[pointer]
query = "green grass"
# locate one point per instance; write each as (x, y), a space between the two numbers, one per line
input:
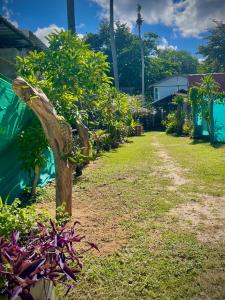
(204, 164)
(159, 260)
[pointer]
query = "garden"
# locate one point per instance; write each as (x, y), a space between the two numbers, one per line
(98, 208)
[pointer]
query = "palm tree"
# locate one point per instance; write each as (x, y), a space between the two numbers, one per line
(113, 47)
(139, 24)
(71, 16)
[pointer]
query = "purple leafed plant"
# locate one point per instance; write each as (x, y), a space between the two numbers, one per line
(48, 255)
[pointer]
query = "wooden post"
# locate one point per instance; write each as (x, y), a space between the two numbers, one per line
(59, 135)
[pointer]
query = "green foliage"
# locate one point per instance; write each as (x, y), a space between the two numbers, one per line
(13, 217)
(202, 98)
(170, 123)
(75, 80)
(175, 120)
(213, 51)
(31, 144)
(70, 74)
(158, 63)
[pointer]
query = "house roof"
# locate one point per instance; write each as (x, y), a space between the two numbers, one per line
(167, 78)
(169, 98)
(12, 37)
(196, 79)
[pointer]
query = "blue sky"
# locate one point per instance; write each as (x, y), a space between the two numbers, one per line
(181, 24)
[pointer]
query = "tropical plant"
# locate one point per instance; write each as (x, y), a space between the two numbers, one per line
(31, 144)
(50, 255)
(175, 120)
(202, 99)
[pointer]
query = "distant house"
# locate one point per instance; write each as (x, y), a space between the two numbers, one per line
(165, 90)
(15, 42)
(169, 86)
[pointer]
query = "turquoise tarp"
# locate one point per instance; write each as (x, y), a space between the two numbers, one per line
(14, 117)
(201, 126)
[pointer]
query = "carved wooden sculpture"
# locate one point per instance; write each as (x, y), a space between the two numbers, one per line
(59, 135)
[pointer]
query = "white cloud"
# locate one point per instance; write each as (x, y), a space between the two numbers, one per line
(8, 13)
(80, 26)
(80, 35)
(190, 17)
(164, 44)
(42, 33)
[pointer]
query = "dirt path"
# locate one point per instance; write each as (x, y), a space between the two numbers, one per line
(205, 216)
(168, 167)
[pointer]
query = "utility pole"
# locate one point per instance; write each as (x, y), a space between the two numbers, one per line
(139, 24)
(71, 16)
(113, 46)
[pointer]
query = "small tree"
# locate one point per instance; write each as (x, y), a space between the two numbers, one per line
(202, 100)
(209, 91)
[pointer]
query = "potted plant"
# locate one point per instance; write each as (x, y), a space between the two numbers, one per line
(46, 258)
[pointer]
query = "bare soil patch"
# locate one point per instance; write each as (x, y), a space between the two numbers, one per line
(205, 218)
(169, 169)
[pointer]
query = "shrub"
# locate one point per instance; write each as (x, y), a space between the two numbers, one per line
(14, 217)
(175, 120)
(170, 123)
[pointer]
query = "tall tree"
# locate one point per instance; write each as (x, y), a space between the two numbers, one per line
(214, 50)
(139, 24)
(71, 16)
(113, 46)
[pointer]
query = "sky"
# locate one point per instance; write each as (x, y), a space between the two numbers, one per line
(181, 24)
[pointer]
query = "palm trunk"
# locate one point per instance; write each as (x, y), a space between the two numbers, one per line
(71, 16)
(113, 47)
(142, 65)
(59, 135)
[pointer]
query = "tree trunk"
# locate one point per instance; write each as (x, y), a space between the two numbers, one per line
(113, 47)
(71, 16)
(84, 139)
(35, 182)
(59, 135)
(142, 64)
(142, 71)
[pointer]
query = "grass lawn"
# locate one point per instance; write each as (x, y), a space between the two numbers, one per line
(159, 237)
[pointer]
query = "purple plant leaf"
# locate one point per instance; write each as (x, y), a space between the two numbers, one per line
(93, 246)
(32, 267)
(16, 293)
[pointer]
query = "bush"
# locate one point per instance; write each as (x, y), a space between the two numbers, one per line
(188, 127)
(170, 123)
(14, 217)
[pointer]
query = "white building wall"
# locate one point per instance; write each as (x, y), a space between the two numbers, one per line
(170, 86)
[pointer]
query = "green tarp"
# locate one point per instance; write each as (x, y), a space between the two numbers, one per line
(201, 127)
(14, 117)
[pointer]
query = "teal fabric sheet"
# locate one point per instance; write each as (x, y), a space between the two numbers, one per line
(14, 117)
